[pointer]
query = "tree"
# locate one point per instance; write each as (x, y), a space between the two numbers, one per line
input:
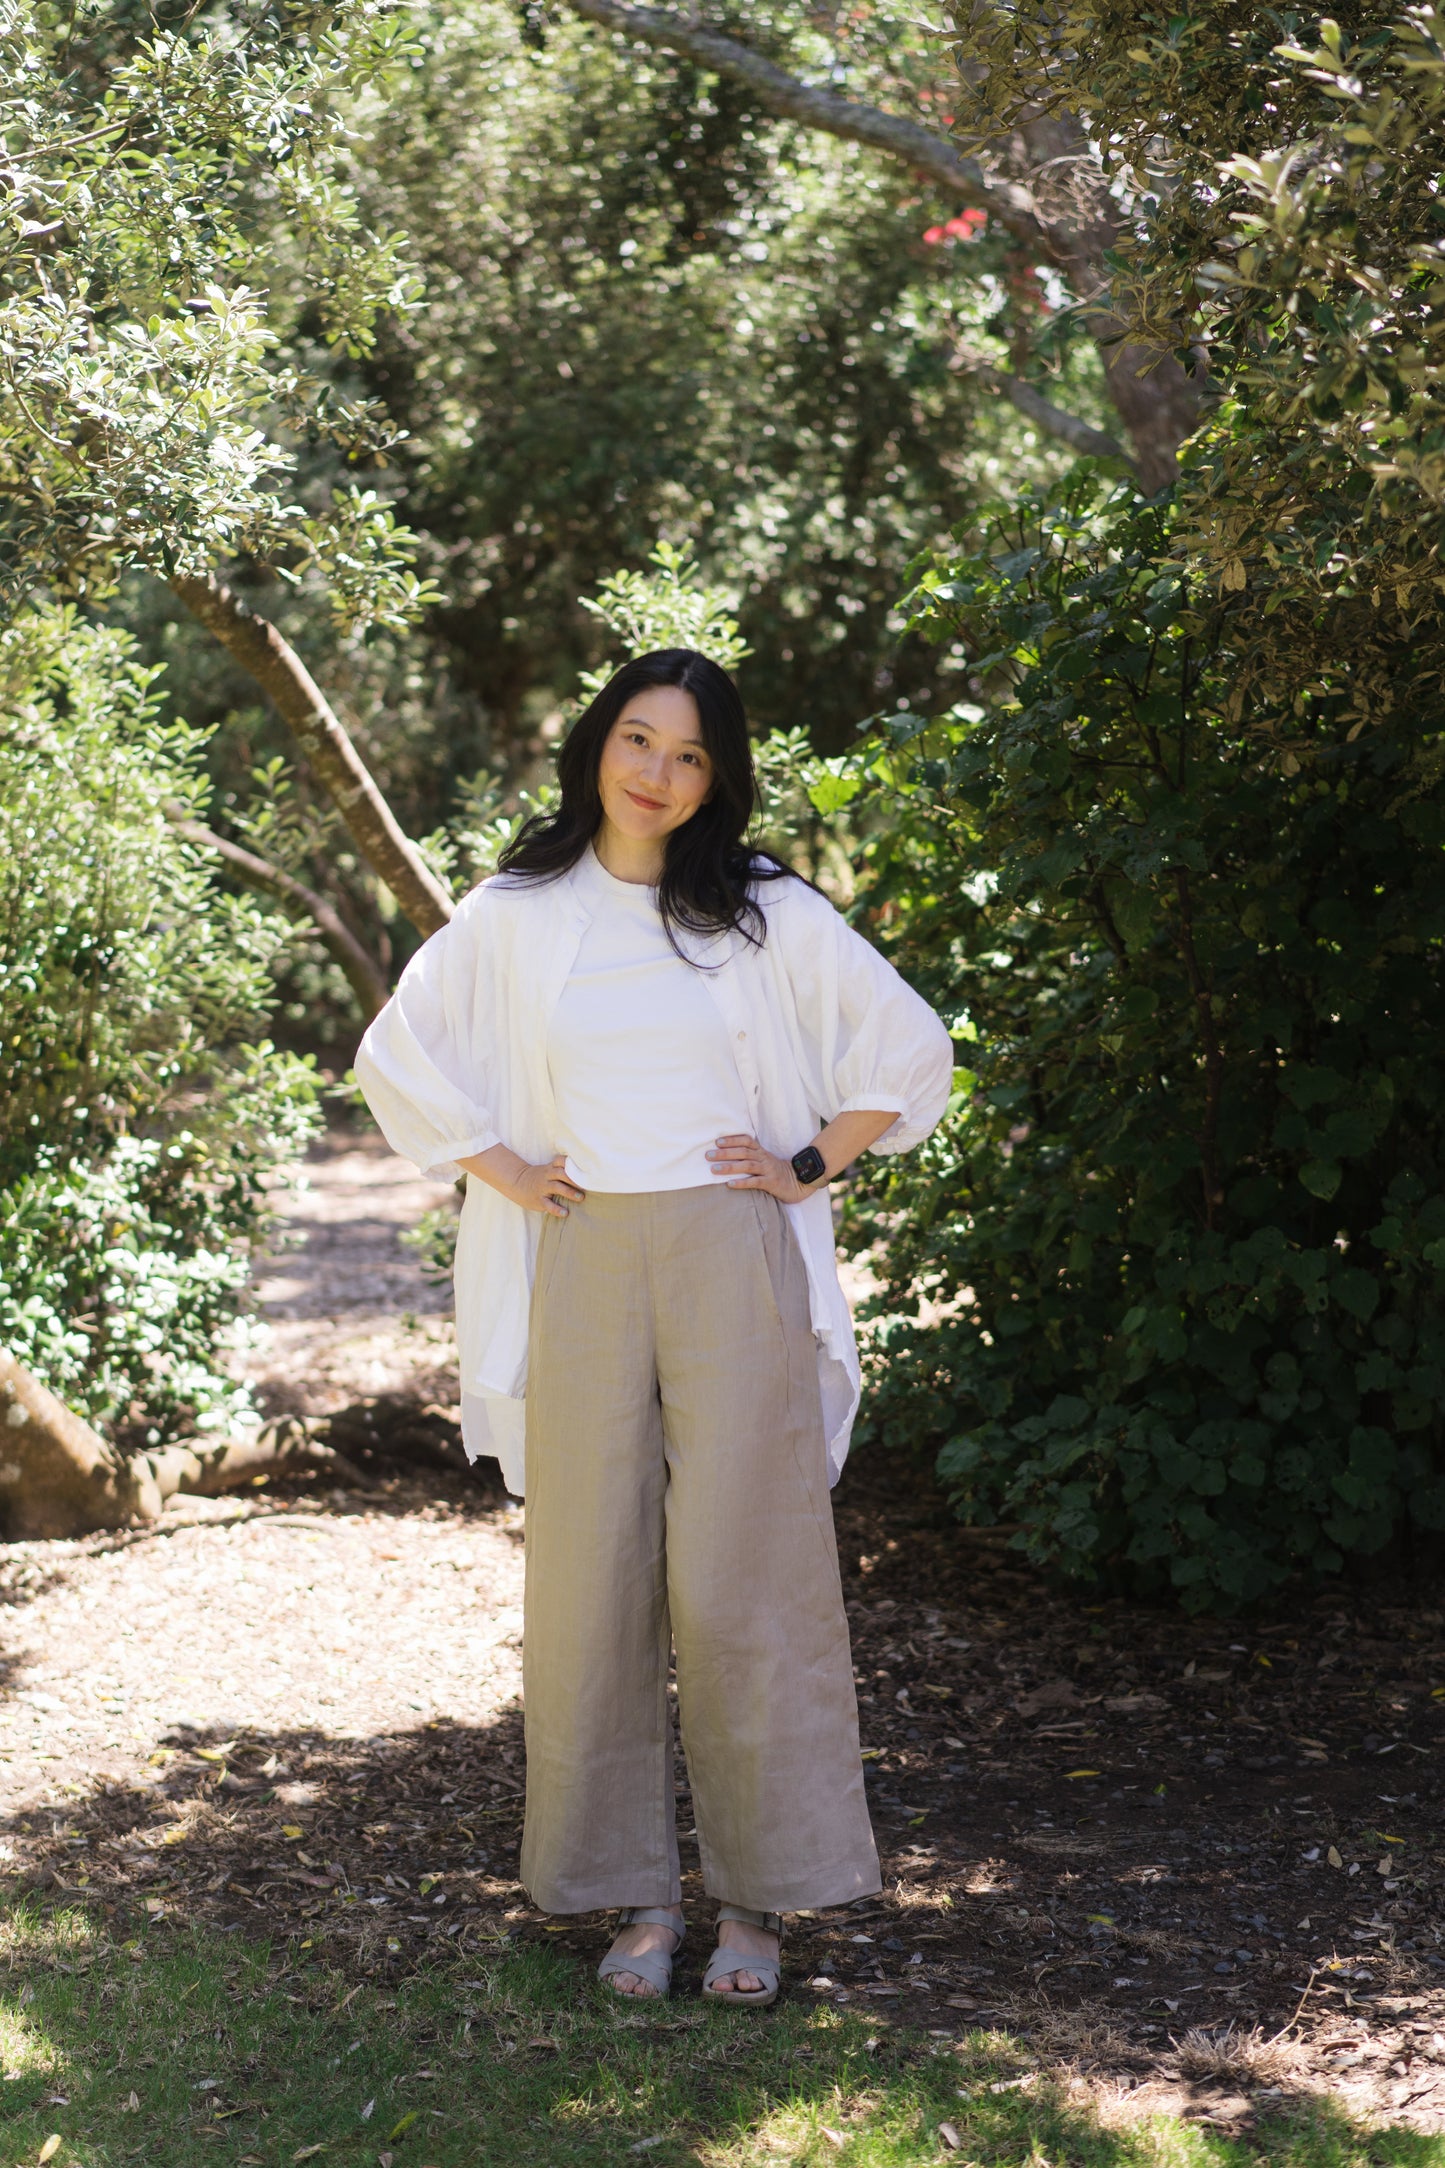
(1176, 868)
(143, 418)
(1036, 172)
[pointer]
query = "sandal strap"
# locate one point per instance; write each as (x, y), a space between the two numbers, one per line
(770, 1922)
(652, 1916)
(654, 1966)
(724, 1964)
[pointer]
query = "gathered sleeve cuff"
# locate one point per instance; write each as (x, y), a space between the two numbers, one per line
(416, 1065)
(874, 1043)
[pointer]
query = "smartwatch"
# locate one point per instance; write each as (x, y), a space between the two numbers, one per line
(809, 1165)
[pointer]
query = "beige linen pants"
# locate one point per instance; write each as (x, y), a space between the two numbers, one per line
(677, 1490)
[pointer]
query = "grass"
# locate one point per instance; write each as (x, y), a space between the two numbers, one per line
(185, 2047)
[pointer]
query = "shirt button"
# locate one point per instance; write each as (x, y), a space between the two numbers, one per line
(742, 1034)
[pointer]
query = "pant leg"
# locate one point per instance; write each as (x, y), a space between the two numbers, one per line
(600, 1823)
(765, 1671)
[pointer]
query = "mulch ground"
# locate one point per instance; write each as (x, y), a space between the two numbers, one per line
(1200, 1861)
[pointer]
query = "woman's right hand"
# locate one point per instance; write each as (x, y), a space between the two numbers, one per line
(536, 1189)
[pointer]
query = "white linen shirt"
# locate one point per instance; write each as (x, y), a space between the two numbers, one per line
(820, 1025)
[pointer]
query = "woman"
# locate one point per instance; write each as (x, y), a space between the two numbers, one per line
(650, 1048)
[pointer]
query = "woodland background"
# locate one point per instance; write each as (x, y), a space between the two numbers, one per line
(1043, 410)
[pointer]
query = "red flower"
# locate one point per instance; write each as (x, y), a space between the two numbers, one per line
(961, 228)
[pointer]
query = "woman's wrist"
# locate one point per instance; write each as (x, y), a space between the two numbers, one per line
(547, 1188)
(498, 1166)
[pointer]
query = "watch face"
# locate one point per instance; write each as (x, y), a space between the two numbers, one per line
(809, 1164)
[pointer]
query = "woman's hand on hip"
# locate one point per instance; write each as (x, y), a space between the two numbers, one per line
(536, 1189)
(744, 1164)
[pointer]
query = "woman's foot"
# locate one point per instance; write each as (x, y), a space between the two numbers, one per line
(748, 1942)
(638, 1941)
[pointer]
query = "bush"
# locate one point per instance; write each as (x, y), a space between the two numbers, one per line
(1185, 1223)
(141, 1111)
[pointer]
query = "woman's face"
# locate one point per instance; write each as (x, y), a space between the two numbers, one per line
(654, 772)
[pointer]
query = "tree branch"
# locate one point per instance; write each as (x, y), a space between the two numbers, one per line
(1080, 436)
(364, 974)
(792, 99)
(1158, 403)
(261, 650)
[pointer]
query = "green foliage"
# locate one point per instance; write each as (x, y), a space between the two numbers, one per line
(174, 205)
(1283, 175)
(666, 608)
(1176, 869)
(140, 1109)
(1182, 1237)
(653, 309)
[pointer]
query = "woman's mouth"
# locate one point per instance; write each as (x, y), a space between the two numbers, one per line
(648, 805)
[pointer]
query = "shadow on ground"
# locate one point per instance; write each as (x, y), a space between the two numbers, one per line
(1143, 1852)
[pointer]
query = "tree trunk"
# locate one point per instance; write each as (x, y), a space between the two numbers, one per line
(260, 649)
(59, 1478)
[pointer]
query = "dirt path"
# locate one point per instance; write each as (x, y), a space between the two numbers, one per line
(1151, 1846)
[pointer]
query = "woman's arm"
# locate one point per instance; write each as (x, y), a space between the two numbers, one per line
(536, 1189)
(744, 1164)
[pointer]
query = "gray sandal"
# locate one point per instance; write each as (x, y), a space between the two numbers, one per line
(725, 1963)
(654, 1966)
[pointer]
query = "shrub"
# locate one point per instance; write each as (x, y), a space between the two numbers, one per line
(1183, 1231)
(141, 1109)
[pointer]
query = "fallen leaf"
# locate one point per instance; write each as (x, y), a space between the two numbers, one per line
(834, 2137)
(1057, 1694)
(1081, 1772)
(1132, 1704)
(50, 2148)
(368, 2111)
(949, 2134)
(309, 2152)
(404, 2125)
(132, 2104)
(645, 2145)
(1332, 1855)
(291, 1832)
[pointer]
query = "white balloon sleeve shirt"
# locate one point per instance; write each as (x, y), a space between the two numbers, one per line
(815, 1023)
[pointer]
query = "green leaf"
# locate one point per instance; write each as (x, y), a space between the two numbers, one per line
(1321, 1177)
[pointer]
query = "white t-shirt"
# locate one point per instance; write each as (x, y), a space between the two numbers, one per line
(642, 1071)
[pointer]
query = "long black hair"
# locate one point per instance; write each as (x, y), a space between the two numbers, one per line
(708, 869)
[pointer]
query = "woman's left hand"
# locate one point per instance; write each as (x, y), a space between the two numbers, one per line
(744, 1164)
